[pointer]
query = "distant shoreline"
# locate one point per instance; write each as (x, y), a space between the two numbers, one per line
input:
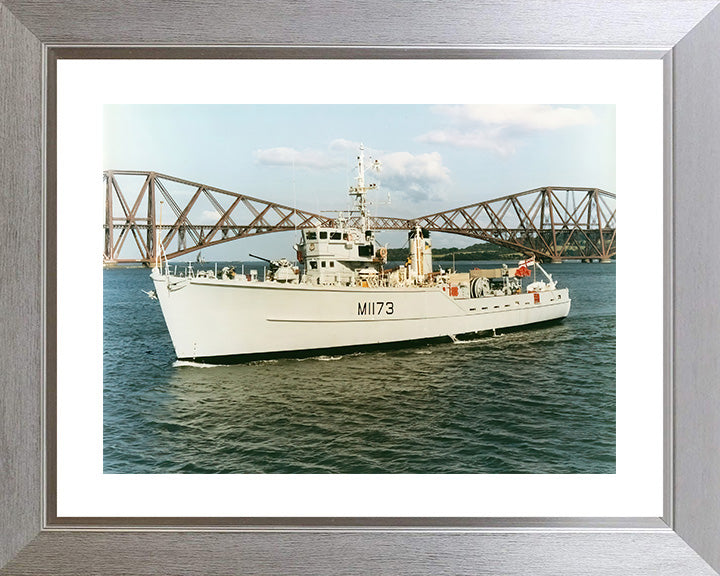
(482, 251)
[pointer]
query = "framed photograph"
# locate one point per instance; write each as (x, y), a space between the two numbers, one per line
(416, 426)
(81, 477)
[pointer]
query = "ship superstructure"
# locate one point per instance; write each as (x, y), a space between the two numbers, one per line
(343, 295)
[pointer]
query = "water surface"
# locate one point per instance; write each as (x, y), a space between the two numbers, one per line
(532, 401)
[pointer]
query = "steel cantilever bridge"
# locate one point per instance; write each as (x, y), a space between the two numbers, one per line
(553, 223)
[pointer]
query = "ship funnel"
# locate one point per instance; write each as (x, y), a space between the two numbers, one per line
(420, 252)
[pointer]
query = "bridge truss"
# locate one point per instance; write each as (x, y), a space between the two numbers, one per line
(554, 223)
(204, 216)
(551, 223)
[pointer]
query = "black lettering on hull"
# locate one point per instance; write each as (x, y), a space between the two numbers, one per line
(375, 308)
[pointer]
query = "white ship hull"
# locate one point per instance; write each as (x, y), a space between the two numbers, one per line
(218, 320)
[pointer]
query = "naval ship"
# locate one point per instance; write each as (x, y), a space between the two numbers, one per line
(342, 296)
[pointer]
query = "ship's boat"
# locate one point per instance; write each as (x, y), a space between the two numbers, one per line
(342, 296)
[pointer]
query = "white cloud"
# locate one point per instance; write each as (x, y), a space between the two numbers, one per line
(313, 159)
(523, 116)
(418, 177)
(503, 128)
(343, 145)
(208, 217)
(478, 138)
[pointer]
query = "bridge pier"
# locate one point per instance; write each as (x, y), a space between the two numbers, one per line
(556, 261)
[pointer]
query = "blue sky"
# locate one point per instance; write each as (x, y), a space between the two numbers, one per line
(433, 157)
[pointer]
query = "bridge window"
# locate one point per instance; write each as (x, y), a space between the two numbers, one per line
(323, 263)
(335, 236)
(313, 264)
(311, 235)
(323, 235)
(365, 250)
(332, 264)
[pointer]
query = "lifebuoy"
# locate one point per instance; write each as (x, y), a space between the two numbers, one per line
(311, 246)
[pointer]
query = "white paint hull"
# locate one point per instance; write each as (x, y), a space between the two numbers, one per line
(215, 319)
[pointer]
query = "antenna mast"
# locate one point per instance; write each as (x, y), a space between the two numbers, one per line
(360, 191)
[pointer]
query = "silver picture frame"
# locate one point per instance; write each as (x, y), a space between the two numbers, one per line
(685, 34)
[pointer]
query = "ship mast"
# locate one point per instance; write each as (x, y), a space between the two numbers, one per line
(360, 191)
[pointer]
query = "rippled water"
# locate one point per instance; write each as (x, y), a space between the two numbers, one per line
(532, 401)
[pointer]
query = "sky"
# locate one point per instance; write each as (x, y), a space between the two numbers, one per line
(432, 157)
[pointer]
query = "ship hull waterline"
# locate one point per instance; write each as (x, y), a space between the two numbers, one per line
(225, 321)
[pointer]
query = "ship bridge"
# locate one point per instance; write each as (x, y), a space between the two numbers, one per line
(553, 223)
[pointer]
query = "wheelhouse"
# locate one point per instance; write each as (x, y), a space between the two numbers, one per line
(332, 255)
